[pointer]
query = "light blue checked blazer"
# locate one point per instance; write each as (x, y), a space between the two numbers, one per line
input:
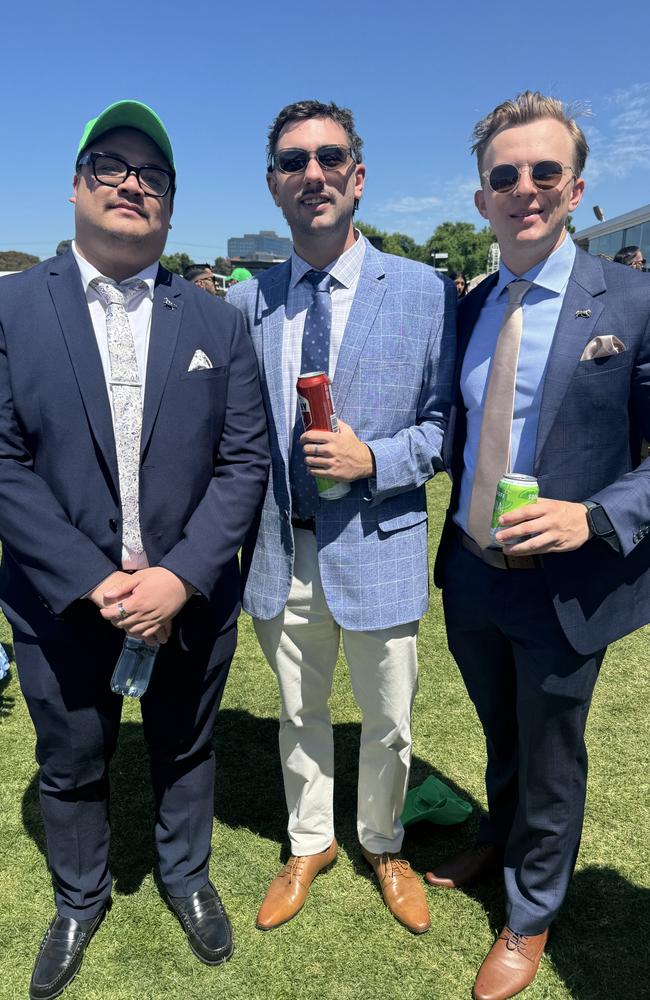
(392, 385)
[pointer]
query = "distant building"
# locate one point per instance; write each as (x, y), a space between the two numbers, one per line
(494, 257)
(263, 246)
(630, 229)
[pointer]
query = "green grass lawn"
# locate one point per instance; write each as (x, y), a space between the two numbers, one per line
(344, 945)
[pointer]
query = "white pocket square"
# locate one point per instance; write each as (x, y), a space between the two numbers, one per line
(602, 347)
(200, 362)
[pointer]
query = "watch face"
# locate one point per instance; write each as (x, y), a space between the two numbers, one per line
(599, 523)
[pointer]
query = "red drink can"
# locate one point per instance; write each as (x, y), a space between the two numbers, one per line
(318, 414)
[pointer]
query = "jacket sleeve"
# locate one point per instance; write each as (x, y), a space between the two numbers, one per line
(413, 455)
(59, 561)
(627, 500)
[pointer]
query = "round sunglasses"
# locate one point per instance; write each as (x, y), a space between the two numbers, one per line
(545, 175)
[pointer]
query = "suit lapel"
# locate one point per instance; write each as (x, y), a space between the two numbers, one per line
(165, 325)
(572, 334)
(367, 300)
(271, 305)
(71, 307)
(468, 313)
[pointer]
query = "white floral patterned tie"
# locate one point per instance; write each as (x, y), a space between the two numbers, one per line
(126, 393)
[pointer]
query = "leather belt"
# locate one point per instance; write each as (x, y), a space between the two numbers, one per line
(496, 558)
(306, 524)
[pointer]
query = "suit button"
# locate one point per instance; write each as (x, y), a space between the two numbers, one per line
(113, 524)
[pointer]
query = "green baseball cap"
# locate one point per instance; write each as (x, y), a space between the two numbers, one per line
(240, 274)
(129, 114)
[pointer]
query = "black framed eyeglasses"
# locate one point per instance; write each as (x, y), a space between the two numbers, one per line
(113, 170)
(545, 175)
(292, 161)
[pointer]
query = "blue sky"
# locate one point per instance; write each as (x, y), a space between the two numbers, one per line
(416, 75)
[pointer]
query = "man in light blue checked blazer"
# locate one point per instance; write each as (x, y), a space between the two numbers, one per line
(356, 567)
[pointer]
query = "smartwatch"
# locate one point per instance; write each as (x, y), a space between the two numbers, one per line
(598, 521)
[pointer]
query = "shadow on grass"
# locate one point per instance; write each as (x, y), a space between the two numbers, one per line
(248, 793)
(602, 917)
(599, 942)
(256, 801)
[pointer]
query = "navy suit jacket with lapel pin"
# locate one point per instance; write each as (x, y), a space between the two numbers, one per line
(204, 448)
(594, 416)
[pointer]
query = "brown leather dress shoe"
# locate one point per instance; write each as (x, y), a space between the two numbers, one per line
(287, 892)
(402, 890)
(467, 867)
(510, 966)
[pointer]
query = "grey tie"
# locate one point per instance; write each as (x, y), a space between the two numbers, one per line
(493, 459)
(126, 393)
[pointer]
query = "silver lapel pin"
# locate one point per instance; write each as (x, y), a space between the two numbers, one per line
(169, 304)
(583, 313)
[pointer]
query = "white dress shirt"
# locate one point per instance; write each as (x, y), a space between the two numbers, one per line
(345, 271)
(139, 310)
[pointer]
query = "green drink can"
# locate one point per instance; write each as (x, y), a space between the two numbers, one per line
(513, 491)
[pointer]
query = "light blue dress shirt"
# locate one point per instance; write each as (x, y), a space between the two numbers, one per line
(541, 310)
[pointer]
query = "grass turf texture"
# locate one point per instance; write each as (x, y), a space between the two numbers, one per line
(345, 944)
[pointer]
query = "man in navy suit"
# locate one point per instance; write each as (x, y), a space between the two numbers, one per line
(529, 617)
(182, 467)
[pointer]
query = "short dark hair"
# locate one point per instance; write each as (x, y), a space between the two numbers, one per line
(303, 111)
(529, 107)
(194, 270)
(626, 255)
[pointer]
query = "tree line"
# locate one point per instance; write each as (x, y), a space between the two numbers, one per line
(466, 246)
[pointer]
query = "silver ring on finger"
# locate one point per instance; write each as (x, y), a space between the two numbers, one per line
(122, 610)
(315, 451)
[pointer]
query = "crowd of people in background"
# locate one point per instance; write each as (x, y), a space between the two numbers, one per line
(203, 276)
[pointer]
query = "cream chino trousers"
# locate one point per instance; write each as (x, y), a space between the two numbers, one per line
(301, 645)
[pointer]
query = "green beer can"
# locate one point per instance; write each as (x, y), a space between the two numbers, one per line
(513, 491)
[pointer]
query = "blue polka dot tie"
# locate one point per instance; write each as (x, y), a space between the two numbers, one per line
(315, 357)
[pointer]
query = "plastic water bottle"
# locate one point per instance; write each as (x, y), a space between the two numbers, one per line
(134, 668)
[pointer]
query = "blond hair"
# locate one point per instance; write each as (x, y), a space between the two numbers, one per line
(529, 107)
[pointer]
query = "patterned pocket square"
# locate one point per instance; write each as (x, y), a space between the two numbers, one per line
(602, 347)
(200, 362)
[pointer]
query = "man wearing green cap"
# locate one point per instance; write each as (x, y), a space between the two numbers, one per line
(133, 457)
(239, 274)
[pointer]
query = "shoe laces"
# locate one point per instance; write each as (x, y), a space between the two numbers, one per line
(394, 864)
(515, 942)
(294, 868)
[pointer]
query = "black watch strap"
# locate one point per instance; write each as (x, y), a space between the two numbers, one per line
(598, 521)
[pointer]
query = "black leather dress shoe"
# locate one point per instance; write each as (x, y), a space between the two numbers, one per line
(60, 955)
(206, 924)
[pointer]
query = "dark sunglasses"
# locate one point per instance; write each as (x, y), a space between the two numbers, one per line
(113, 171)
(292, 161)
(545, 175)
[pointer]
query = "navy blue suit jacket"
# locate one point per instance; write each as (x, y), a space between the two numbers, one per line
(594, 415)
(204, 449)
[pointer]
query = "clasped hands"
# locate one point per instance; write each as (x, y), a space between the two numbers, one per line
(337, 455)
(557, 526)
(143, 603)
